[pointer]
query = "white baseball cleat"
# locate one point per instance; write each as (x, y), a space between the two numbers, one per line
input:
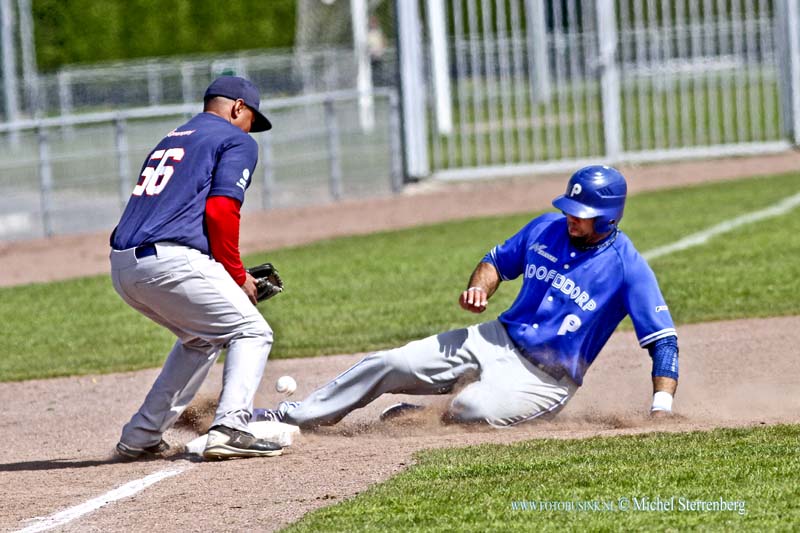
(224, 443)
(278, 432)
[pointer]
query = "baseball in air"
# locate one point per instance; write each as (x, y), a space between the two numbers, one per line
(286, 385)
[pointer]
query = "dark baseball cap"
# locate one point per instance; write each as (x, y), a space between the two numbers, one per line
(234, 87)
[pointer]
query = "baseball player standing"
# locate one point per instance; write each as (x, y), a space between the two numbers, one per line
(175, 259)
(581, 277)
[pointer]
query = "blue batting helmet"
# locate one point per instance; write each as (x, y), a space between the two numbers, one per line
(595, 192)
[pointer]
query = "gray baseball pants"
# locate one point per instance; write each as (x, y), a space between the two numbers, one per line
(193, 296)
(507, 389)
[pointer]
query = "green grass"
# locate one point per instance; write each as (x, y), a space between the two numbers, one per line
(368, 292)
(474, 489)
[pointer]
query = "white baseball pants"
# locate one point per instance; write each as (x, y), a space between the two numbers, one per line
(507, 389)
(193, 296)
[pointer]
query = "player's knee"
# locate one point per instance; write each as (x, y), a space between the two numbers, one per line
(200, 345)
(465, 409)
(259, 329)
(265, 331)
(470, 409)
(392, 360)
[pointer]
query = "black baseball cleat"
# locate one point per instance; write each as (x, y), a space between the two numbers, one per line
(224, 443)
(399, 409)
(130, 453)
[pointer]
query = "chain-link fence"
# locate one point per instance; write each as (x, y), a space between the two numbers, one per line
(75, 173)
(171, 81)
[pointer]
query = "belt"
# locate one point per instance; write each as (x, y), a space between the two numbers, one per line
(145, 250)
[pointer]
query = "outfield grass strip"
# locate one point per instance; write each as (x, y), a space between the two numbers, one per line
(742, 479)
(702, 237)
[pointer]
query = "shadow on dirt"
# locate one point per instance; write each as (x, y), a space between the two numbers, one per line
(66, 463)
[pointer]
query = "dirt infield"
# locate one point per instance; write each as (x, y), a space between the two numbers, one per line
(62, 431)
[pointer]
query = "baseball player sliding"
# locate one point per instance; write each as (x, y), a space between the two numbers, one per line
(175, 259)
(581, 277)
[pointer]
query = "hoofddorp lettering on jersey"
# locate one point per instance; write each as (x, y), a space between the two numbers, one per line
(559, 281)
(207, 156)
(572, 299)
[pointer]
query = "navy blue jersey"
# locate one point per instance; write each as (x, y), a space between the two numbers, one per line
(207, 156)
(571, 300)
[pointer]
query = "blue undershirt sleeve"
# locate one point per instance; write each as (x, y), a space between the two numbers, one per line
(664, 352)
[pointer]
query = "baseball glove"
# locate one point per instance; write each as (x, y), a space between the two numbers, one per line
(268, 282)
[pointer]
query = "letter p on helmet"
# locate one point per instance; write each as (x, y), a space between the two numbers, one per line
(576, 189)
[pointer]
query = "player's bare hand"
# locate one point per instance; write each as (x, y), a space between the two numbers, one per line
(249, 288)
(473, 300)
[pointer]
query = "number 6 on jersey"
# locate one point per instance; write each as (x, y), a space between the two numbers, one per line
(154, 179)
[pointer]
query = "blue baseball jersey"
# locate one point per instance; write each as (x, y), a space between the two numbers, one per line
(207, 156)
(571, 299)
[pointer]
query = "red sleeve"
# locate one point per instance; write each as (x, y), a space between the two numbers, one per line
(222, 222)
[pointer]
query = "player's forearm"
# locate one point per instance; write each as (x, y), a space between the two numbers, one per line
(485, 277)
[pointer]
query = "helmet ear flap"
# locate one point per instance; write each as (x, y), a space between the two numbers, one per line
(603, 225)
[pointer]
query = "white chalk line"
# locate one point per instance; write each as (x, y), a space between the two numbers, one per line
(701, 237)
(128, 489)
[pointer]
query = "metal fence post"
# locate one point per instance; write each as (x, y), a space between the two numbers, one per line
(123, 163)
(334, 150)
(609, 78)
(787, 22)
(395, 144)
(366, 103)
(793, 23)
(64, 94)
(268, 183)
(45, 181)
(65, 97)
(187, 83)
(539, 68)
(153, 84)
(29, 74)
(440, 64)
(412, 86)
(9, 67)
